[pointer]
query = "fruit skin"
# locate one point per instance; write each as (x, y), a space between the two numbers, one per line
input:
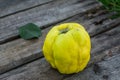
(69, 51)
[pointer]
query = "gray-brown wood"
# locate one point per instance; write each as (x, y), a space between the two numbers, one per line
(44, 15)
(19, 52)
(101, 46)
(37, 70)
(8, 7)
(113, 71)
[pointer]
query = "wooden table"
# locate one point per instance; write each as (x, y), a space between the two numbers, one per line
(23, 59)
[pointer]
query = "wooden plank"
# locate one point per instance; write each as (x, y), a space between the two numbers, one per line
(9, 7)
(99, 42)
(35, 70)
(108, 69)
(44, 15)
(19, 52)
(113, 71)
(44, 72)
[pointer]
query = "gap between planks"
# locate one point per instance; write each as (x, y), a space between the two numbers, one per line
(8, 8)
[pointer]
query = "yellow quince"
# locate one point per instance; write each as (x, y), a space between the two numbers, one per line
(67, 48)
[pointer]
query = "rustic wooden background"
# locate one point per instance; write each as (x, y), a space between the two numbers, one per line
(23, 59)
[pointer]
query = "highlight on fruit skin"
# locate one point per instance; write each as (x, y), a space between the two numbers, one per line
(67, 48)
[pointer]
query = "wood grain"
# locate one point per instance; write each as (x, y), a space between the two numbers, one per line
(37, 70)
(43, 16)
(9, 7)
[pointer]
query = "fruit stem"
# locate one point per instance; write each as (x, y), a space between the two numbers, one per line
(64, 31)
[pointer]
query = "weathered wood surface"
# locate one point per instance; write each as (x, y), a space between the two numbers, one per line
(102, 45)
(8, 7)
(25, 51)
(37, 70)
(43, 16)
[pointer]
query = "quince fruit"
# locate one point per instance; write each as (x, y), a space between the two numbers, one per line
(67, 48)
